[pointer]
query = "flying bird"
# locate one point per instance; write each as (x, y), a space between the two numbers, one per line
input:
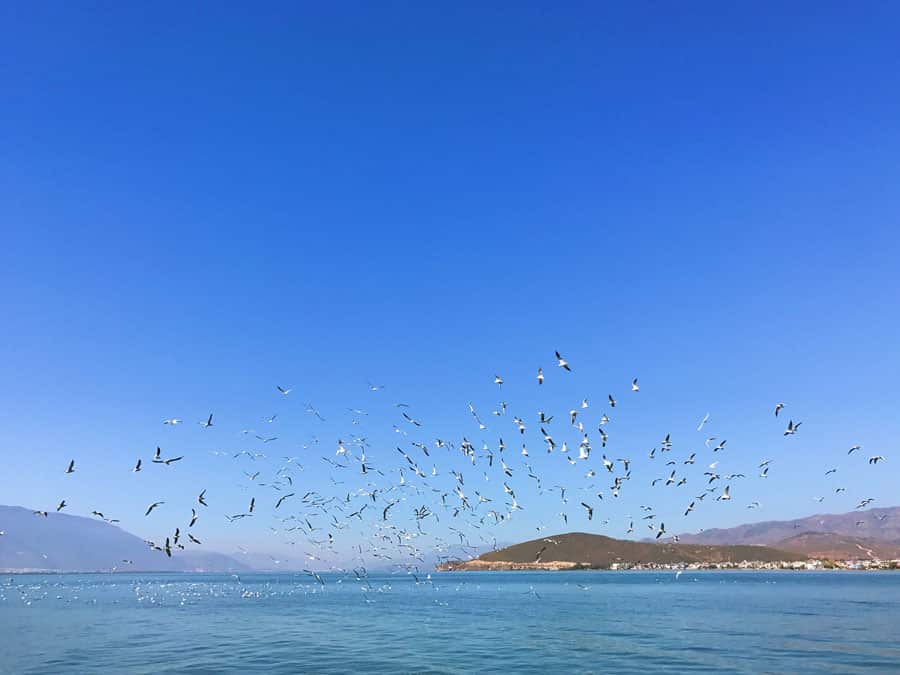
(703, 422)
(281, 499)
(153, 506)
(71, 467)
(590, 510)
(562, 363)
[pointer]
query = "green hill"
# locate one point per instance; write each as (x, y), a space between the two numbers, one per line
(597, 551)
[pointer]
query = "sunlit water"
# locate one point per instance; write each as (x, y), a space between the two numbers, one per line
(502, 622)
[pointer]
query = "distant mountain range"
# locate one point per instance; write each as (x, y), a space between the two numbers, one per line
(828, 545)
(62, 542)
(595, 550)
(855, 535)
(840, 534)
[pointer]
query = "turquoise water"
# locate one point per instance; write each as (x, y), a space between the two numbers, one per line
(500, 622)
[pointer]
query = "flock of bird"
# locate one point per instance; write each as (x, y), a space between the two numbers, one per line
(430, 498)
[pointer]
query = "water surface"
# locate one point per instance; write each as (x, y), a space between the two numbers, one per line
(487, 622)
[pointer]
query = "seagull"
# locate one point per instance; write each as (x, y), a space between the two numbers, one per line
(71, 467)
(612, 401)
(278, 503)
(498, 381)
(172, 459)
(855, 447)
(562, 363)
(61, 505)
(703, 422)
(725, 496)
(157, 458)
(208, 423)
(172, 422)
(193, 538)
(778, 408)
(137, 467)
(375, 387)
(830, 471)
(284, 391)
(153, 506)
(411, 420)
(634, 385)
(540, 376)
(193, 517)
(876, 459)
(590, 510)
(200, 499)
(661, 531)
(792, 428)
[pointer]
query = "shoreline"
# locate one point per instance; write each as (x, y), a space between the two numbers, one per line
(810, 565)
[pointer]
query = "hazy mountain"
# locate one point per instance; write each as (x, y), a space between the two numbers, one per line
(62, 542)
(880, 524)
(596, 550)
(839, 546)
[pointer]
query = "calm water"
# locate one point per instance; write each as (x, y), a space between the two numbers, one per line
(502, 622)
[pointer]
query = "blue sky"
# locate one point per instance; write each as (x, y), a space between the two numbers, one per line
(199, 205)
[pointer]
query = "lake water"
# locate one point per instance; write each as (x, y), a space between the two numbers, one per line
(500, 622)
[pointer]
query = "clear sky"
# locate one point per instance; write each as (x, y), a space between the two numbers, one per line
(200, 204)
